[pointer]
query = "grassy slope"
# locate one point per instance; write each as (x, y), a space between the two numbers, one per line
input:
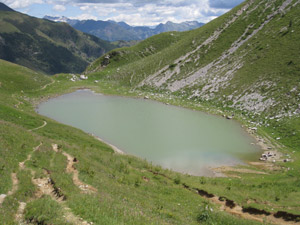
(47, 46)
(145, 49)
(123, 196)
(269, 59)
(270, 68)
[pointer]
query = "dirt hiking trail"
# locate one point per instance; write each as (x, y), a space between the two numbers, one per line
(71, 169)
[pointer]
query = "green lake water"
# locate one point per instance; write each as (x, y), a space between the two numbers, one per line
(176, 138)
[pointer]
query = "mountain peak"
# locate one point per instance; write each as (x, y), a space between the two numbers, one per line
(57, 19)
(169, 22)
(61, 19)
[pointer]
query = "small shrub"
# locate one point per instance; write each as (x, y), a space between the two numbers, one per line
(204, 215)
(87, 170)
(177, 180)
(202, 180)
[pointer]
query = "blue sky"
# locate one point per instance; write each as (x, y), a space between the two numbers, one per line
(133, 12)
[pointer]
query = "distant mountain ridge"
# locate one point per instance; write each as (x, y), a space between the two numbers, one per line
(46, 46)
(61, 19)
(115, 31)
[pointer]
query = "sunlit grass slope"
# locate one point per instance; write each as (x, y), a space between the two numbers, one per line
(128, 190)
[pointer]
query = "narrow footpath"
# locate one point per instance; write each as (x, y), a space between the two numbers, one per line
(14, 188)
(37, 128)
(71, 169)
(46, 186)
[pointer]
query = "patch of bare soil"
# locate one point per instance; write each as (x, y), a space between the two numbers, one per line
(20, 213)
(71, 218)
(2, 198)
(46, 186)
(71, 169)
(250, 213)
(266, 166)
(233, 209)
(22, 205)
(15, 182)
(55, 147)
(14, 188)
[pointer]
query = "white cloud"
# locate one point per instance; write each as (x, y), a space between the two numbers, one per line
(17, 4)
(153, 13)
(136, 12)
(59, 8)
(137, 19)
(84, 17)
(85, 8)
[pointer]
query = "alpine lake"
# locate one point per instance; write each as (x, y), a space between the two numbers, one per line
(176, 138)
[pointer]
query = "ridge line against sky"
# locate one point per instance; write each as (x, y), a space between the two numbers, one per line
(133, 12)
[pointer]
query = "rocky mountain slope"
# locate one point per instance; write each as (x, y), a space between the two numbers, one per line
(115, 31)
(246, 60)
(46, 46)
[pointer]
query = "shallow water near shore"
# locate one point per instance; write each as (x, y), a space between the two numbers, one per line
(176, 138)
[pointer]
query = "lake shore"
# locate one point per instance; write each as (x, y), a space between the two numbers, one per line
(116, 149)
